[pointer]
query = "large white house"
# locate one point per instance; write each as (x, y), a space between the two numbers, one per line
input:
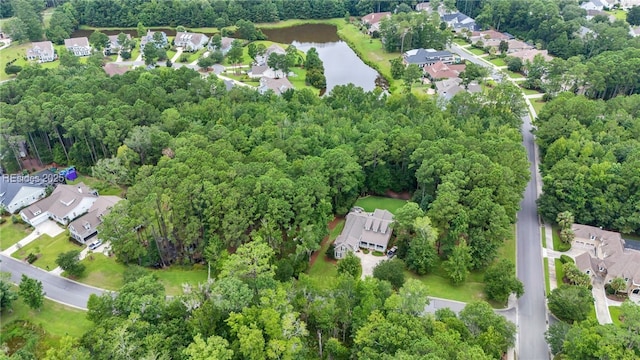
(42, 51)
(78, 46)
(86, 226)
(66, 203)
(191, 41)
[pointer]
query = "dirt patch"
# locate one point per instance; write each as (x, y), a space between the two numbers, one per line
(405, 195)
(619, 298)
(332, 225)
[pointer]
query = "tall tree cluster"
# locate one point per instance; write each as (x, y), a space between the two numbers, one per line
(26, 23)
(405, 31)
(590, 156)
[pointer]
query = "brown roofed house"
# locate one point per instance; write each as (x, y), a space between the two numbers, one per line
(373, 20)
(85, 227)
(441, 70)
(114, 69)
(65, 203)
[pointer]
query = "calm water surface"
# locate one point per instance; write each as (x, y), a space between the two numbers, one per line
(341, 64)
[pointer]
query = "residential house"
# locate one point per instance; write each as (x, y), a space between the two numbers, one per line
(583, 31)
(114, 46)
(225, 45)
(458, 21)
(594, 5)
(425, 57)
(593, 13)
(86, 226)
(279, 86)
(448, 88)
(424, 6)
(190, 41)
(364, 230)
(487, 35)
(606, 257)
(42, 51)
(163, 42)
(258, 71)
(66, 203)
(441, 70)
(517, 46)
(18, 191)
(275, 48)
(78, 46)
(528, 55)
(372, 21)
(114, 69)
(624, 4)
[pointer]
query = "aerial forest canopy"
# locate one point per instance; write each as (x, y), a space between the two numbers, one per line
(210, 169)
(590, 152)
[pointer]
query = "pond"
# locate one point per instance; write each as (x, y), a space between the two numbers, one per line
(341, 64)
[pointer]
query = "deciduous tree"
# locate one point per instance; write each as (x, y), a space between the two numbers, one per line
(570, 303)
(350, 265)
(70, 262)
(501, 281)
(31, 292)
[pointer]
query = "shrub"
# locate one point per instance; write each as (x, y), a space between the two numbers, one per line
(31, 258)
(331, 254)
(2, 221)
(15, 219)
(183, 58)
(608, 289)
(378, 253)
(365, 251)
(566, 259)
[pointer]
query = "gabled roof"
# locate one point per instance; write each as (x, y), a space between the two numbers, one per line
(41, 48)
(440, 70)
(86, 224)
(375, 18)
(61, 201)
(275, 48)
(192, 38)
(259, 69)
(77, 42)
(373, 228)
(279, 86)
(420, 56)
(9, 188)
(114, 69)
(113, 40)
(528, 55)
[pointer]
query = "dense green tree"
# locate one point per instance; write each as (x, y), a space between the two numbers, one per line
(214, 347)
(99, 40)
(501, 281)
(350, 265)
(618, 284)
(70, 262)
(410, 75)
(28, 14)
(633, 15)
(7, 295)
(391, 271)
(68, 348)
(421, 256)
(473, 72)
(458, 264)
(31, 292)
(397, 68)
(570, 303)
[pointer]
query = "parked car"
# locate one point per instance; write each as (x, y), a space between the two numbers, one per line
(94, 245)
(392, 252)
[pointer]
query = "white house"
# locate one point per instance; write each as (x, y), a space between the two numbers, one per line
(364, 230)
(78, 46)
(190, 41)
(66, 203)
(42, 51)
(114, 46)
(594, 5)
(86, 226)
(164, 41)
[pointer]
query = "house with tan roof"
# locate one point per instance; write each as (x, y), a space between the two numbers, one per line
(78, 46)
(372, 21)
(42, 51)
(364, 230)
(114, 69)
(607, 257)
(275, 48)
(65, 203)
(86, 226)
(279, 86)
(528, 55)
(191, 41)
(441, 70)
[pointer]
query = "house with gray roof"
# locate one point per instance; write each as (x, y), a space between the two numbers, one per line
(279, 86)
(114, 46)
(42, 51)
(163, 42)
(364, 230)
(86, 226)
(594, 5)
(18, 191)
(65, 203)
(190, 41)
(606, 257)
(458, 21)
(78, 46)
(225, 45)
(426, 57)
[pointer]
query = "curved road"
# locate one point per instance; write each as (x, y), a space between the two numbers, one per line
(56, 288)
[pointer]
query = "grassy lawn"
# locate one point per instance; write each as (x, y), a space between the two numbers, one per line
(370, 203)
(498, 62)
(460, 42)
(531, 92)
(170, 54)
(46, 17)
(102, 272)
(619, 14)
(323, 268)
(134, 54)
(615, 314)
(513, 75)
(298, 81)
(242, 78)
(547, 282)
(48, 248)
(557, 244)
(559, 272)
(544, 237)
(56, 319)
(103, 187)
(175, 276)
(440, 286)
(12, 233)
(508, 248)
(16, 52)
(476, 51)
(537, 104)
(195, 55)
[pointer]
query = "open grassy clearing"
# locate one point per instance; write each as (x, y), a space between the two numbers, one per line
(173, 277)
(323, 267)
(56, 319)
(12, 233)
(48, 249)
(102, 272)
(498, 62)
(103, 187)
(370, 203)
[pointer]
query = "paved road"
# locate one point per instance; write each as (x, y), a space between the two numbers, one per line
(531, 310)
(56, 288)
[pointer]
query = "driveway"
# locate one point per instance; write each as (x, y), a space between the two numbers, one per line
(368, 262)
(48, 227)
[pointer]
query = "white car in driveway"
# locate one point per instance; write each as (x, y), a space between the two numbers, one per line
(94, 245)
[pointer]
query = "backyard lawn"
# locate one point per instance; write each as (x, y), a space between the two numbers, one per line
(103, 187)
(370, 203)
(48, 249)
(615, 314)
(498, 62)
(12, 233)
(299, 80)
(56, 319)
(323, 268)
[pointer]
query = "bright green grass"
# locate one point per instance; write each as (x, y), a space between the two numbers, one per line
(299, 81)
(498, 62)
(12, 233)
(173, 277)
(134, 54)
(461, 42)
(244, 78)
(48, 248)
(619, 14)
(46, 17)
(615, 314)
(559, 272)
(103, 187)
(370, 203)
(557, 244)
(56, 319)
(440, 286)
(194, 56)
(544, 237)
(537, 104)
(508, 248)
(513, 75)
(102, 272)
(170, 54)
(16, 52)
(547, 282)
(324, 268)
(476, 51)
(531, 92)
